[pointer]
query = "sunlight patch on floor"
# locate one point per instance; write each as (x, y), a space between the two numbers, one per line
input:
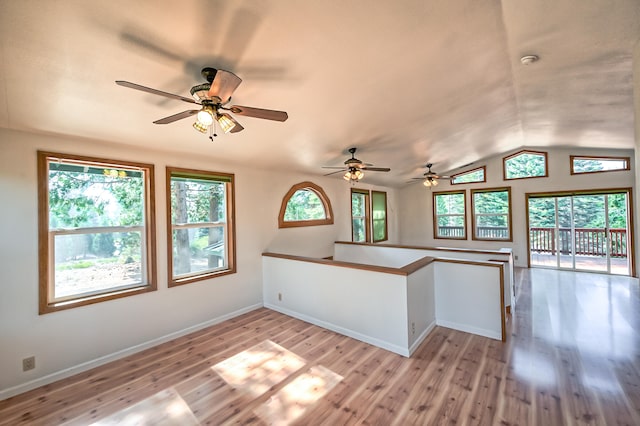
(533, 367)
(255, 370)
(290, 402)
(164, 408)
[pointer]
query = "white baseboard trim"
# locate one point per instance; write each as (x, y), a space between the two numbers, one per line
(341, 330)
(469, 329)
(421, 337)
(67, 372)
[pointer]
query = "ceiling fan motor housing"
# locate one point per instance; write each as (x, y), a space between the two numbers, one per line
(209, 74)
(200, 92)
(353, 162)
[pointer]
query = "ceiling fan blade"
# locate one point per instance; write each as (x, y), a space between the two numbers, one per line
(176, 117)
(267, 114)
(376, 169)
(332, 167)
(224, 84)
(333, 173)
(154, 91)
(237, 126)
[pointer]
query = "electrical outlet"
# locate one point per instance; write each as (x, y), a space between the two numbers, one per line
(29, 363)
(280, 297)
(413, 328)
(516, 257)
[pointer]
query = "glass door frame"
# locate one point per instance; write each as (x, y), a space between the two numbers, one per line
(607, 241)
(630, 226)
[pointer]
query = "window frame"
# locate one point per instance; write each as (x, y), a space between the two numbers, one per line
(457, 175)
(46, 302)
(309, 186)
(462, 192)
(367, 214)
(474, 216)
(572, 158)
(229, 225)
(521, 152)
(373, 220)
(370, 234)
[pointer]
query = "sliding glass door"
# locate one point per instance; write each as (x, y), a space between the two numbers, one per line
(587, 232)
(565, 232)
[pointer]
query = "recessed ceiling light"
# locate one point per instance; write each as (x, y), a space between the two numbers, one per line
(529, 59)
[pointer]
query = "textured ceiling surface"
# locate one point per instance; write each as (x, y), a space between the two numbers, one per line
(405, 82)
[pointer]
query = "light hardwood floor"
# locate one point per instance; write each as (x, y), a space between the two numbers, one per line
(572, 357)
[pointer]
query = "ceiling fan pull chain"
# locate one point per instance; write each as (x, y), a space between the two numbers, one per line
(212, 131)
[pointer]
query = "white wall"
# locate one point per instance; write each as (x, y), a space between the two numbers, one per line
(471, 305)
(391, 257)
(416, 201)
(348, 301)
(636, 108)
(421, 305)
(67, 339)
(394, 312)
(397, 257)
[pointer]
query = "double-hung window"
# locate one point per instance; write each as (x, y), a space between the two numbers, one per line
(360, 232)
(96, 230)
(379, 215)
(201, 231)
(368, 215)
(449, 208)
(491, 209)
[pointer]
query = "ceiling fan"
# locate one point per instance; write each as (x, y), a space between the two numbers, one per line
(212, 97)
(354, 168)
(430, 178)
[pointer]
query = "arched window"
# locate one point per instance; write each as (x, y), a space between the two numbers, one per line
(306, 204)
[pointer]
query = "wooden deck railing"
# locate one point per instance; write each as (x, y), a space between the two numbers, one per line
(497, 232)
(451, 231)
(588, 241)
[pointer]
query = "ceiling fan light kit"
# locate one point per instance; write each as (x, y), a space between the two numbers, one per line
(428, 182)
(205, 115)
(226, 123)
(353, 175)
(430, 178)
(212, 97)
(200, 127)
(354, 168)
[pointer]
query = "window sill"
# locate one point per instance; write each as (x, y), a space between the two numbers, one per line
(187, 280)
(47, 308)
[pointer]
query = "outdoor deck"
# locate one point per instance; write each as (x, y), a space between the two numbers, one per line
(619, 266)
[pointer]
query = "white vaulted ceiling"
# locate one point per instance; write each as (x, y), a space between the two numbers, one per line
(406, 82)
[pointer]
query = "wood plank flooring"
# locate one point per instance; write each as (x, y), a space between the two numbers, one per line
(572, 357)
